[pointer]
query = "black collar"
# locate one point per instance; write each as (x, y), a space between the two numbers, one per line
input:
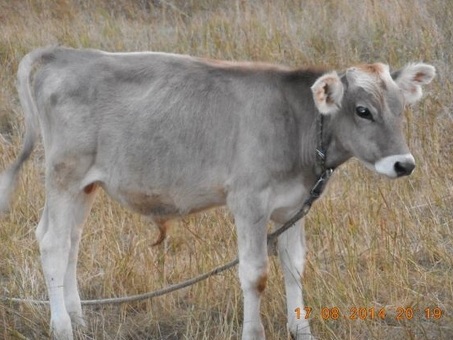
(321, 170)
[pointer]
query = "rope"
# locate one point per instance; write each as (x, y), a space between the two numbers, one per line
(144, 296)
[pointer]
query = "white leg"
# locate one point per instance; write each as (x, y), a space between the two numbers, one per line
(253, 266)
(58, 234)
(291, 250)
(54, 243)
(71, 292)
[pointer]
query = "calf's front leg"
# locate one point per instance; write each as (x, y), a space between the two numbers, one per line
(291, 250)
(253, 268)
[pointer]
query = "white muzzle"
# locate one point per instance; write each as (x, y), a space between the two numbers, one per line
(395, 166)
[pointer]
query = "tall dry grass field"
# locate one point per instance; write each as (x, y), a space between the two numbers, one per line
(372, 242)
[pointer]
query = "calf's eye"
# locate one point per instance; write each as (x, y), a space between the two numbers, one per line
(364, 113)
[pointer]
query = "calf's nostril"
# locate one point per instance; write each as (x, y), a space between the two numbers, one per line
(404, 168)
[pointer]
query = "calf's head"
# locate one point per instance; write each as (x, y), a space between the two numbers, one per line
(366, 106)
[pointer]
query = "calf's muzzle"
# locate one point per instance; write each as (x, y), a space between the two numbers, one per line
(395, 166)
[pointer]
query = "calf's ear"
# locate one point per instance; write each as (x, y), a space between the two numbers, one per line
(411, 78)
(328, 93)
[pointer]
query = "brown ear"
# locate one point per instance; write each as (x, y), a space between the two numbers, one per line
(328, 93)
(411, 78)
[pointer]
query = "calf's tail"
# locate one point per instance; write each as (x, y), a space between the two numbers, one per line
(24, 80)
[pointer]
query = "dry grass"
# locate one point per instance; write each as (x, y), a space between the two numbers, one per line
(371, 242)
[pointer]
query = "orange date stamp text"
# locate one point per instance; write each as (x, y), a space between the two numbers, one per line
(370, 313)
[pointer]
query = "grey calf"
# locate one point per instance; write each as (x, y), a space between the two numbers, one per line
(167, 135)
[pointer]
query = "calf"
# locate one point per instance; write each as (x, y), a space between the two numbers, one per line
(168, 135)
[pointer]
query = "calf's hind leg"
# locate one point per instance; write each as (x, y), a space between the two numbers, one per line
(253, 261)
(59, 232)
(71, 292)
